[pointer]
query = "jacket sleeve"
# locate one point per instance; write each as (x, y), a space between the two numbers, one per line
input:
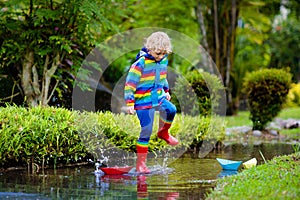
(166, 86)
(132, 80)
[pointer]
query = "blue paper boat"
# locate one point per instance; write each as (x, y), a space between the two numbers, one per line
(229, 164)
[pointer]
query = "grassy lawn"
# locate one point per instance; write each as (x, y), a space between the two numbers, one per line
(242, 118)
(290, 113)
(277, 179)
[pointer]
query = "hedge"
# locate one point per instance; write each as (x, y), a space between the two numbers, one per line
(266, 91)
(49, 136)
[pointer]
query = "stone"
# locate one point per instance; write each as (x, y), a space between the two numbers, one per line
(257, 133)
(274, 132)
(292, 124)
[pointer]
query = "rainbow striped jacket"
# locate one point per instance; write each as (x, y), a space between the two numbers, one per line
(146, 82)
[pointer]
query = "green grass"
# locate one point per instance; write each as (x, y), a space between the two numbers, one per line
(290, 113)
(242, 118)
(278, 179)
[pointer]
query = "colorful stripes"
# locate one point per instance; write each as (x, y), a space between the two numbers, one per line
(142, 88)
(142, 146)
(165, 121)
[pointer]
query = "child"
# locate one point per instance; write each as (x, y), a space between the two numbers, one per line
(147, 91)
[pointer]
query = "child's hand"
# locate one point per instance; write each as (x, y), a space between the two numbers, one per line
(130, 110)
(168, 96)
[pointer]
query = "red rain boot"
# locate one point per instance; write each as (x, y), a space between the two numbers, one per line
(164, 135)
(141, 160)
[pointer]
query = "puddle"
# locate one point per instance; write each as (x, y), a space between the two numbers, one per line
(188, 177)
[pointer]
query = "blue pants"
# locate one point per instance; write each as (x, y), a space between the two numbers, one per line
(167, 112)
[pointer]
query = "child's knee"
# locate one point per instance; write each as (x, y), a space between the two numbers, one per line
(171, 110)
(146, 132)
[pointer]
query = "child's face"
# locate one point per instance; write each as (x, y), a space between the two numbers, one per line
(158, 55)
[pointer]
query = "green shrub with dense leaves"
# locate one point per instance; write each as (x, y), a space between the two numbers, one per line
(121, 130)
(40, 135)
(49, 136)
(293, 98)
(197, 93)
(266, 91)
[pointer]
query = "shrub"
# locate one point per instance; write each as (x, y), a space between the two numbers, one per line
(122, 131)
(293, 98)
(197, 93)
(266, 91)
(49, 136)
(39, 136)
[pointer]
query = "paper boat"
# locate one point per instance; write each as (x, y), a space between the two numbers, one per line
(229, 164)
(116, 170)
(250, 163)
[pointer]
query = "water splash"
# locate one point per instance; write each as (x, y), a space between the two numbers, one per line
(154, 170)
(97, 170)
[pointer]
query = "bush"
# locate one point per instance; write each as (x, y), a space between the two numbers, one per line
(123, 131)
(49, 136)
(293, 98)
(38, 136)
(197, 93)
(266, 91)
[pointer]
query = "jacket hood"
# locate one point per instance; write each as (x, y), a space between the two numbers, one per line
(144, 52)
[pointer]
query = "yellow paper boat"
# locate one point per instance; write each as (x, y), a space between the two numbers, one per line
(250, 163)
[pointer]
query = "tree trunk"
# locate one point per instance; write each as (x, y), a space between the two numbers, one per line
(47, 75)
(27, 81)
(202, 26)
(221, 17)
(36, 91)
(231, 107)
(216, 31)
(206, 59)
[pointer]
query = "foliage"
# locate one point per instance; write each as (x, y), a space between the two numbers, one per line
(252, 52)
(284, 42)
(49, 136)
(293, 98)
(122, 131)
(197, 93)
(193, 130)
(44, 42)
(170, 14)
(277, 179)
(144, 14)
(266, 91)
(43, 136)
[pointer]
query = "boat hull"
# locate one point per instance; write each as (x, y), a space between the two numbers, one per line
(229, 164)
(116, 170)
(250, 163)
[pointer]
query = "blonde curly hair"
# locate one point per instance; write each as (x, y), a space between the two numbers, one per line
(159, 41)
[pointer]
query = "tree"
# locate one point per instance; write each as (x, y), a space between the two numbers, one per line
(45, 40)
(252, 52)
(219, 31)
(284, 41)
